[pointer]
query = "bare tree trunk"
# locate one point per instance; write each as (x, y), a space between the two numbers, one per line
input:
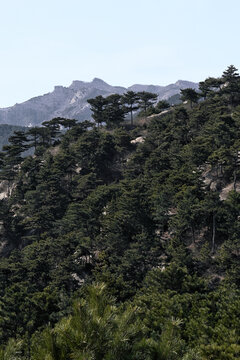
(8, 188)
(221, 170)
(235, 172)
(234, 179)
(213, 232)
(131, 118)
(193, 233)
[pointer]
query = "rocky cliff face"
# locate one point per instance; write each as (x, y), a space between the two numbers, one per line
(71, 102)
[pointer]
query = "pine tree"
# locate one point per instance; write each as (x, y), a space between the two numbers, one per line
(189, 95)
(98, 105)
(13, 156)
(114, 112)
(146, 99)
(53, 127)
(130, 101)
(231, 85)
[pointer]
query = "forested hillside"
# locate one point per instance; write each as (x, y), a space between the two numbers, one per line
(121, 241)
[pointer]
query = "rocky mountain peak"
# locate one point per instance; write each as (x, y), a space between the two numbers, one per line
(99, 81)
(77, 84)
(185, 84)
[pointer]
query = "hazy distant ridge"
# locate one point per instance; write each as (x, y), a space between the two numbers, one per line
(71, 102)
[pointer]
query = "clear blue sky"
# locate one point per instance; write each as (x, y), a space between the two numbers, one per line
(53, 42)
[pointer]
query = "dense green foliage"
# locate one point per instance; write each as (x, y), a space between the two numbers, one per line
(6, 131)
(114, 248)
(111, 110)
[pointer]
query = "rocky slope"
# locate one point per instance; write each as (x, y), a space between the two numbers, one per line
(71, 102)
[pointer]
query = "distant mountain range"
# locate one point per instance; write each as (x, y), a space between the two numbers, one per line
(71, 102)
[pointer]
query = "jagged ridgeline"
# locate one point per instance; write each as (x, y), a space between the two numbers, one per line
(120, 239)
(71, 102)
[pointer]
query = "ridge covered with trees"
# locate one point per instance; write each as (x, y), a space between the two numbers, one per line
(122, 242)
